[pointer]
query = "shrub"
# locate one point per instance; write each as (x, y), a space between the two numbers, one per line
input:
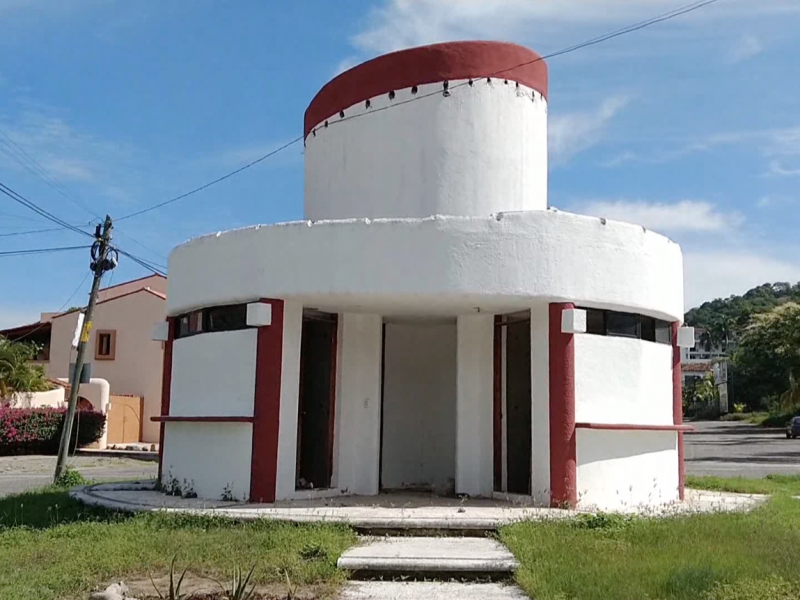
(16, 372)
(70, 478)
(38, 430)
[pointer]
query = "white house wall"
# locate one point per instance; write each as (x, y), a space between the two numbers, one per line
(622, 381)
(419, 405)
(208, 458)
(617, 470)
(358, 402)
(474, 410)
(498, 264)
(425, 154)
(214, 374)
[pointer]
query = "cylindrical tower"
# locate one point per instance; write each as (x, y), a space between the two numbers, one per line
(448, 129)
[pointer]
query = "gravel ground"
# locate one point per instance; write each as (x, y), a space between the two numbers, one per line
(22, 473)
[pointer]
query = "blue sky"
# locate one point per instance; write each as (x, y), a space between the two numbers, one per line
(691, 127)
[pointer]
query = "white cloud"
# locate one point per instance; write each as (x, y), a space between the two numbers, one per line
(677, 217)
(235, 157)
(345, 64)
(718, 273)
(399, 24)
(746, 48)
(777, 169)
(571, 133)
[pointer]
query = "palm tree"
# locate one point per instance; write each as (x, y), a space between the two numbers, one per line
(17, 375)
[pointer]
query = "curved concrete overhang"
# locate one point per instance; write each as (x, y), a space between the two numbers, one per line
(436, 266)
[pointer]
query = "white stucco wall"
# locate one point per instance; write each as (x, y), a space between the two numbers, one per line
(540, 399)
(618, 470)
(208, 457)
(358, 402)
(52, 398)
(498, 264)
(425, 153)
(290, 400)
(419, 405)
(622, 381)
(138, 363)
(474, 409)
(214, 374)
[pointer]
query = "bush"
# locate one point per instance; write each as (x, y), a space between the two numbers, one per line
(70, 478)
(38, 430)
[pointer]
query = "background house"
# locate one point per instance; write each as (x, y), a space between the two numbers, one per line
(120, 349)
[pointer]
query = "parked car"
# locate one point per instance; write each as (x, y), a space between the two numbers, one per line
(793, 428)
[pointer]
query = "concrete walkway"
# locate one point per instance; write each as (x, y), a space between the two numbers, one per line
(383, 513)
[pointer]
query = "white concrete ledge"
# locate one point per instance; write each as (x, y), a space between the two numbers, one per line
(141, 496)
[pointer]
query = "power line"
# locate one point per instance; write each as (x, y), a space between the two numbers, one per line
(629, 29)
(61, 308)
(34, 166)
(142, 262)
(41, 250)
(31, 232)
(210, 183)
(20, 199)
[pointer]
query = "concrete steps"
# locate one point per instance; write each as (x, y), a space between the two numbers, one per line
(430, 590)
(436, 557)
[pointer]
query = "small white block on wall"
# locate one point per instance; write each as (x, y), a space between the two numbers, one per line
(573, 320)
(160, 332)
(686, 337)
(259, 314)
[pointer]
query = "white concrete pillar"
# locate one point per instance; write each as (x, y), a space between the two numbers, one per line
(540, 399)
(358, 402)
(474, 389)
(290, 399)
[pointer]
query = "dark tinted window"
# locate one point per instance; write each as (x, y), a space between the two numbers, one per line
(663, 332)
(648, 326)
(622, 324)
(595, 321)
(225, 318)
(189, 324)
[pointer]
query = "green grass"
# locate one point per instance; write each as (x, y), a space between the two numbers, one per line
(706, 556)
(765, 419)
(54, 547)
(771, 484)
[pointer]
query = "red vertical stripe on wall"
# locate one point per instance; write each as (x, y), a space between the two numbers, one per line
(563, 484)
(267, 407)
(677, 403)
(166, 388)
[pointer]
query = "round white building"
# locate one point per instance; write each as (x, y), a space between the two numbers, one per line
(432, 324)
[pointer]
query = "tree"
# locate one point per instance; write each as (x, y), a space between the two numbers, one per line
(767, 362)
(17, 375)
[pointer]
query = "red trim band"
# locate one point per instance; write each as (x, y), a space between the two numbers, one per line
(427, 64)
(563, 477)
(677, 404)
(267, 407)
(171, 419)
(626, 427)
(166, 388)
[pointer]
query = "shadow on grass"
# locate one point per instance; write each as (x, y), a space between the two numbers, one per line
(49, 507)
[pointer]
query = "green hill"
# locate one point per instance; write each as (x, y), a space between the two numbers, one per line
(739, 308)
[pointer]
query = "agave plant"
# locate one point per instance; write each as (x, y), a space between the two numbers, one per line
(239, 585)
(174, 592)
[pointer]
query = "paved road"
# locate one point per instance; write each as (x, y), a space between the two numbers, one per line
(22, 473)
(730, 449)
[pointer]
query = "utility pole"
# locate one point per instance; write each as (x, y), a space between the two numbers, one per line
(101, 262)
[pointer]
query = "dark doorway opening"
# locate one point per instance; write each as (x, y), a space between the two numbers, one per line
(317, 400)
(513, 444)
